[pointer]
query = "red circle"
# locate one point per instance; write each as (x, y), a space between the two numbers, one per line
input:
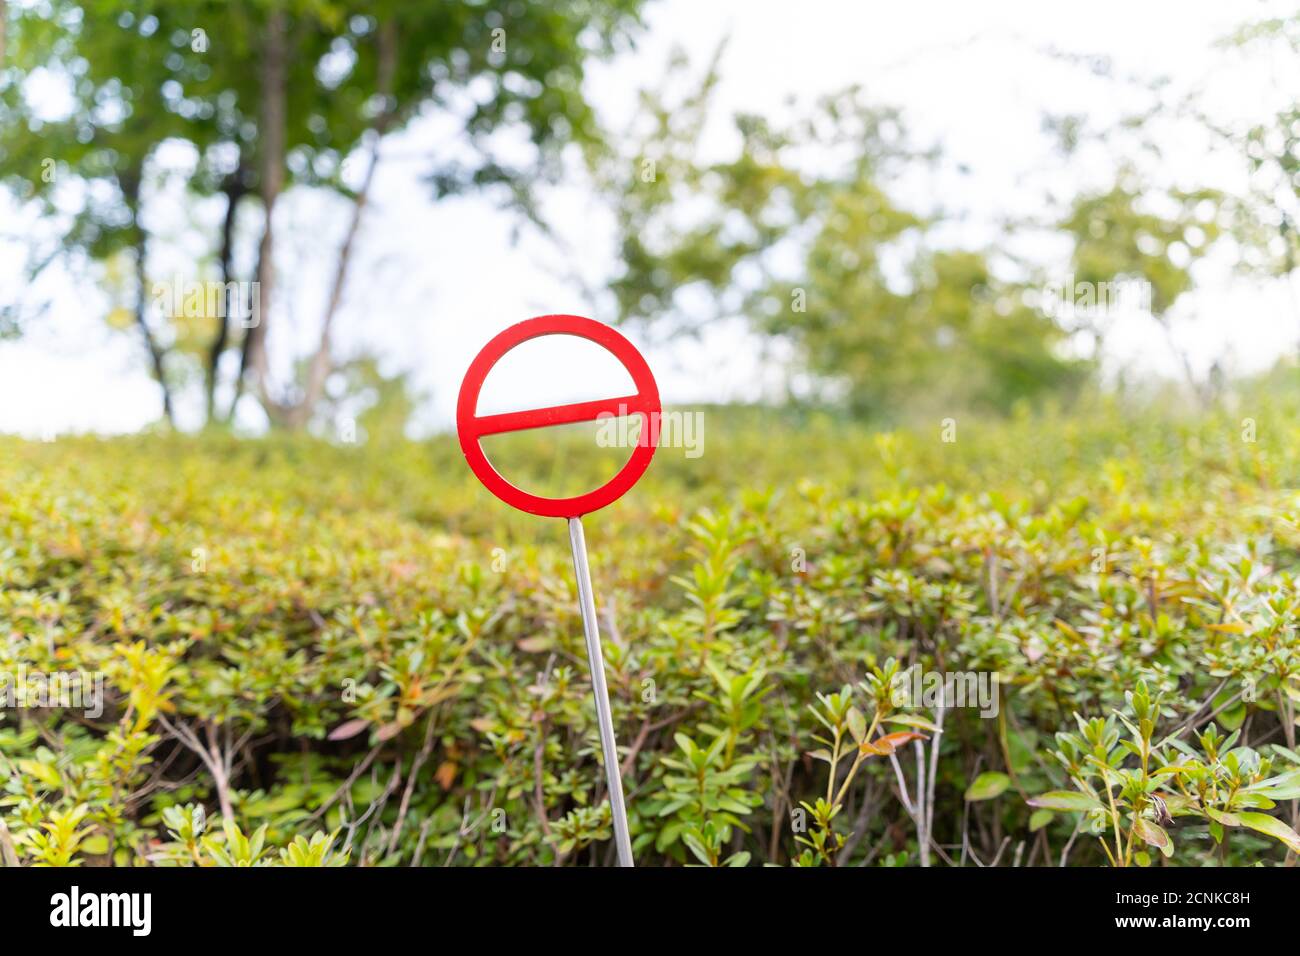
(471, 428)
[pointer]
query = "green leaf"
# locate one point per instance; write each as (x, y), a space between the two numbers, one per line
(1273, 827)
(857, 724)
(1224, 819)
(1064, 800)
(1284, 786)
(1039, 819)
(96, 845)
(41, 771)
(1255, 801)
(696, 847)
(987, 786)
(1233, 717)
(913, 720)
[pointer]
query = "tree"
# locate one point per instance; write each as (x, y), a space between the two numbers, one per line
(1136, 232)
(1268, 224)
(273, 96)
(798, 232)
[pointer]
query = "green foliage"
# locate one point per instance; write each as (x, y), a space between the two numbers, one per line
(799, 231)
(1219, 783)
(317, 654)
(1133, 232)
(204, 75)
(1270, 227)
(191, 847)
(139, 76)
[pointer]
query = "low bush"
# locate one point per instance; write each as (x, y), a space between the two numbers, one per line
(323, 655)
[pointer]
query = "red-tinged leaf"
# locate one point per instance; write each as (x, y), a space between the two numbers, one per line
(1150, 833)
(403, 569)
(388, 731)
(886, 745)
(445, 774)
(912, 720)
(349, 729)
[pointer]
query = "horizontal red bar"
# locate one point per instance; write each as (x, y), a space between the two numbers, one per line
(558, 415)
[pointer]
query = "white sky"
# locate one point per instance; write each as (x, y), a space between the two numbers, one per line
(436, 281)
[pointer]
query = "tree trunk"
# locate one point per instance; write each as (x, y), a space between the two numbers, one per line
(244, 352)
(271, 167)
(234, 189)
(131, 192)
(321, 362)
(141, 320)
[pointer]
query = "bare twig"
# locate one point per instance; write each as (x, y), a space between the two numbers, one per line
(214, 757)
(419, 845)
(420, 759)
(8, 852)
(346, 785)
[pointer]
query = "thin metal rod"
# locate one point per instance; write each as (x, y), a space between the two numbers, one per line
(604, 718)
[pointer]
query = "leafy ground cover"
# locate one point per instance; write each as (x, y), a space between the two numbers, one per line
(321, 654)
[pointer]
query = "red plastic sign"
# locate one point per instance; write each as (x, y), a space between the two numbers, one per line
(471, 428)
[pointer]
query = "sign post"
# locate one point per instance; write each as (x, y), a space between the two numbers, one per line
(604, 718)
(472, 428)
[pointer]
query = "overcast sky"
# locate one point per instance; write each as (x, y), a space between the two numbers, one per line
(435, 282)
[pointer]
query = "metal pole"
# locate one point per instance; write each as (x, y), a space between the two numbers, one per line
(603, 717)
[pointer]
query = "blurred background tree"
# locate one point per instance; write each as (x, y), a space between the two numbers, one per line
(1119, 236)
(270, 96)
(1268, 220)
(823, 227)
(799, 232)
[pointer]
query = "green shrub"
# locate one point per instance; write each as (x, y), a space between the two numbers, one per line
(318, 655)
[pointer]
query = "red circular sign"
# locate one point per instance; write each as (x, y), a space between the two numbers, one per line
(470, 427)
